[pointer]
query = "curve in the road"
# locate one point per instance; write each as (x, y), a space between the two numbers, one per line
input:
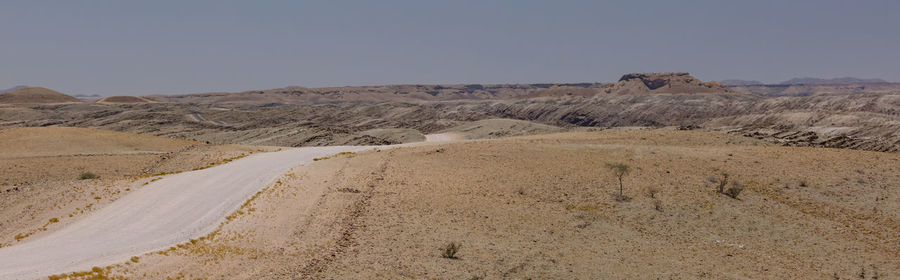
(161, 214)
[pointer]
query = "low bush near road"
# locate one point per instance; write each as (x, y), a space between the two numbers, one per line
(88, 176)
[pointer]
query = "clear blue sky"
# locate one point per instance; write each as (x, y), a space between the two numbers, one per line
(168, 47)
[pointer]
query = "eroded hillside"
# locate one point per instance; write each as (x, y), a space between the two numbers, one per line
(858, 119)
(868, 121)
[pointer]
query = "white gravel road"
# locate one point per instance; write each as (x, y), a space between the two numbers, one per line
(164, 213)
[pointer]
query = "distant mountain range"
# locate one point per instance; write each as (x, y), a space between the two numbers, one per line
(806, 81)
(818, 81)
(732, 83)
(88, 97)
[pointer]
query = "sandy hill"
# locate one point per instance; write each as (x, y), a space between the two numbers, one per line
(672, 82)
(61, 141)
(12, 88)
(124, 99)
(35, 95)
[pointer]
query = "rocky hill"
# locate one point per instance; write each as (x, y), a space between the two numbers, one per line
(867, 121)
(365, 94)
(673, 82)
(638, 83)
(864, 117)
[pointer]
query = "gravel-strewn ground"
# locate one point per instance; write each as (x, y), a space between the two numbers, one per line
(544, 207)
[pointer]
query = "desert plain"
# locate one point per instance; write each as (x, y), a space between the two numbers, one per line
(472, 181)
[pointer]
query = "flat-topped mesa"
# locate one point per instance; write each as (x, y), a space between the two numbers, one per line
(668, 82)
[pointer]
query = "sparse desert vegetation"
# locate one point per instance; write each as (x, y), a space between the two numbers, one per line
(567, 224)
(548, 206)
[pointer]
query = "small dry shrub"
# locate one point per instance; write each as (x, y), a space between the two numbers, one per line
(722, 182)
(348, 190)
(450, 250)
(735, 190)
(652, 191)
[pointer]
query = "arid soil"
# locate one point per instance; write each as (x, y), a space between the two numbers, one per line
(546, 207)
(41, 183)
(48, 154)
(161, 214)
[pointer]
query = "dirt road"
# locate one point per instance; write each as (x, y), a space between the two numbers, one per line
(198, 118)
(444, 137)
(161, 214)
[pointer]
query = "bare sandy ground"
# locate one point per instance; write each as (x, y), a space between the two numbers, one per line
(163, 213)
(544, 207)
(37, 155)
